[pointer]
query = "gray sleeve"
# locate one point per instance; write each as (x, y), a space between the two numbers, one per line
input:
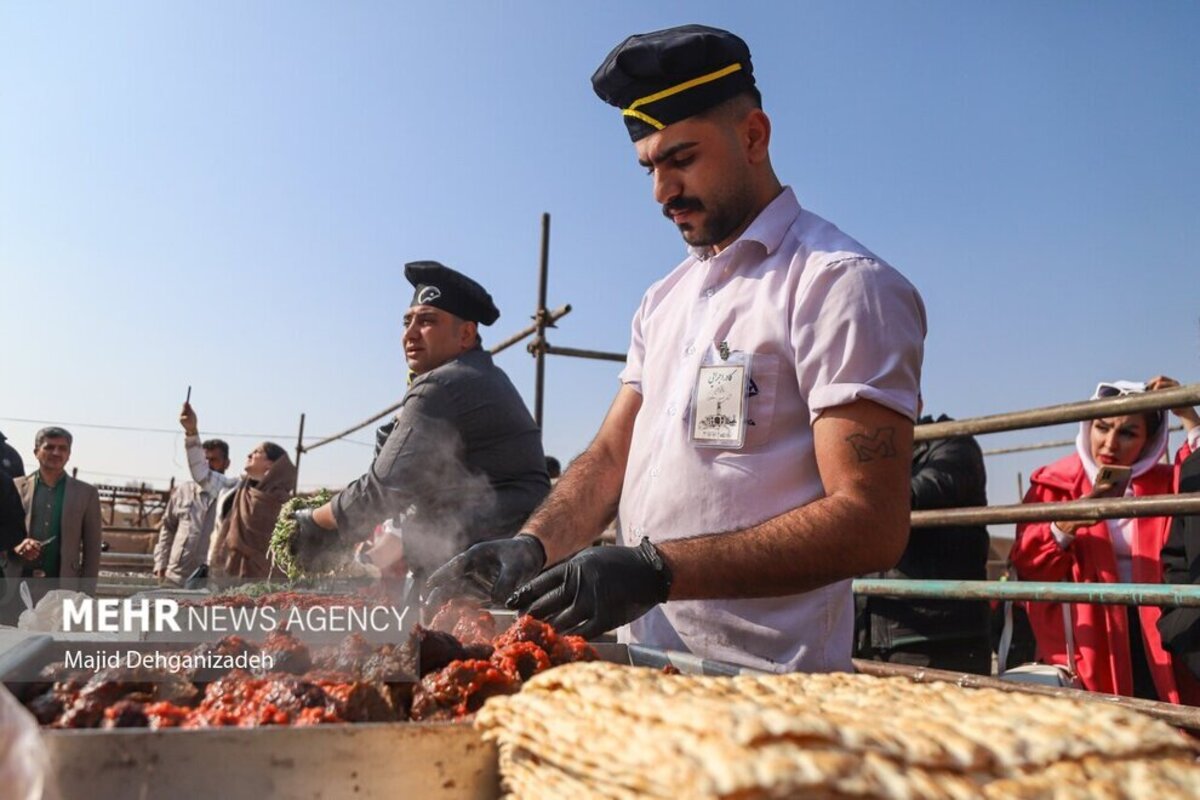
(422, 446)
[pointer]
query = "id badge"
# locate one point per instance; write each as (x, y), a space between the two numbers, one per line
(719, 402)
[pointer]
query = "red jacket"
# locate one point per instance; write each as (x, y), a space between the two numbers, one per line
(1101, 631)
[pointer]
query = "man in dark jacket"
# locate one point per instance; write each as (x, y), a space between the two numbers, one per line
(12, 533)
(940, 634)
(10, 459)
(1180, 627)
(461, 463)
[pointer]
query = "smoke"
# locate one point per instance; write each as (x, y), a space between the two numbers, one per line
(455, 506)
(421, 481)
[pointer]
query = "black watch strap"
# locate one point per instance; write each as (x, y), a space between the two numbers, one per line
(661, 568)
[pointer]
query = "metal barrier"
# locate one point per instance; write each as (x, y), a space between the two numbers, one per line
(1155, 506)
(1126, 594)
(1186, 717)
(130, 561)
(1115, 508)
(1067, 412)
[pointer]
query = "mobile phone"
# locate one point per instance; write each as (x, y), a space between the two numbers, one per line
(1116, 475)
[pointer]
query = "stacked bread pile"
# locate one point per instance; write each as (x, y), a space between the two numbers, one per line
(602, 730)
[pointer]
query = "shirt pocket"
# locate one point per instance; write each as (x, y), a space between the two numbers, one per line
(760, 398)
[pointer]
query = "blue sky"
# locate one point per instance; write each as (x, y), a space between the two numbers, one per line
(223, 195)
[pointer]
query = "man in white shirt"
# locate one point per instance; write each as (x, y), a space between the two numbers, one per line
(187, 525)
(759, 445)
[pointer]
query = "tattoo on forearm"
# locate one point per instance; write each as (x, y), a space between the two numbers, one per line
(881, 444)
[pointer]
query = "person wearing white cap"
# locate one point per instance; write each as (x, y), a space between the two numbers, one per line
(1119, 650)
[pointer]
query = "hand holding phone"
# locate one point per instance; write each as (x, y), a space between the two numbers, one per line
(1115, 476)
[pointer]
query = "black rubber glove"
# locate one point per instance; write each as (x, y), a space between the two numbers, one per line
(597, 590)
(487, 571)
(312, 545)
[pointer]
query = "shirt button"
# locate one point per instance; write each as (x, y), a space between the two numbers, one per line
(709, 293)
(690, 349)
(654, 472)
(671, 410)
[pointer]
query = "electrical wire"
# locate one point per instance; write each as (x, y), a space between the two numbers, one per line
(174, 431)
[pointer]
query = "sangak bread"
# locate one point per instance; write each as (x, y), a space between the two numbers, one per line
(610, 731)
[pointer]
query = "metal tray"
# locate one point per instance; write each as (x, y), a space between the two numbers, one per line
(437, 760)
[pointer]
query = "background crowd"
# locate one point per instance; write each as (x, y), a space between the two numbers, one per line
(50, 526)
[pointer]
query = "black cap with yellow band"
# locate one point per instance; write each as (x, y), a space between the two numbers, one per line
(662, 77)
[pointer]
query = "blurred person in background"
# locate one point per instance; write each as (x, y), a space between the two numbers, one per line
(190, 517)
(12, 514)
(12, 533)
(246, 514)
(10, 459)
(941, 634)
(207, 460)
(1180, 627)
(62, 517)
(1119, 649)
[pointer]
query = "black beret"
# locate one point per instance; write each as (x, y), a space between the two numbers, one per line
(662, 77)
(441, 287)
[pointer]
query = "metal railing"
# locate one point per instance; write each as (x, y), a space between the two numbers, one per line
(1066, 412)
(1053, 445)
(1126, 594)
(1115, 508)
(1103, 508)
(1187, 717)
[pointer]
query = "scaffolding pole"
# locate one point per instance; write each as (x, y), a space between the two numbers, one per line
(299, 452)
(538, 346)
(597, 355)
(554, 316)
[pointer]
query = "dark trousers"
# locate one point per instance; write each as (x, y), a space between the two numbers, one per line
(1143, 681)
(955, 656)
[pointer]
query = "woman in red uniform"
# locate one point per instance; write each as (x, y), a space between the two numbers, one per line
(1118, 648)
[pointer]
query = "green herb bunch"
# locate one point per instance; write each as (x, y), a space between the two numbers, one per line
(285, 529)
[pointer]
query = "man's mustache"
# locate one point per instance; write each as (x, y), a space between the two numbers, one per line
(681, 204)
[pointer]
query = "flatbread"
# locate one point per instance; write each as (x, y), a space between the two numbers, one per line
(604, 730)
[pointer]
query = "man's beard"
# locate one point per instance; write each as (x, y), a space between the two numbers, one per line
(720, 221)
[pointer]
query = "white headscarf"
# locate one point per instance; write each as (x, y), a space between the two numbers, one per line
(1151, 453)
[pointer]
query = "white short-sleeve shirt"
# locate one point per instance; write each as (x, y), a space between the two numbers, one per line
(827, 323)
